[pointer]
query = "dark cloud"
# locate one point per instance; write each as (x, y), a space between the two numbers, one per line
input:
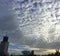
(54, 45)
(7, 23)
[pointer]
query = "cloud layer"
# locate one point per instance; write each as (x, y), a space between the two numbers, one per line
(35, 22)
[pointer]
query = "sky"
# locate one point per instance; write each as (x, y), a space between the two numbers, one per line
(35, 23)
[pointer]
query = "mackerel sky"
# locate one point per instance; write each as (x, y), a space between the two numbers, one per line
(35, 23)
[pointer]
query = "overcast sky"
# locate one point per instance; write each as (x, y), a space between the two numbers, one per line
(35, 23)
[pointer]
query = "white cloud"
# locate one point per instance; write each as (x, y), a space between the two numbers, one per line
(36, 20)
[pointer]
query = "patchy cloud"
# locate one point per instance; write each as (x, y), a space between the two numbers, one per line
(34, 22)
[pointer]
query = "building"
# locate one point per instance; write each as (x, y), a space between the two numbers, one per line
(4, 46)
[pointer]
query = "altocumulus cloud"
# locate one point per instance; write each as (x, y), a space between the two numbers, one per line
(33, 22)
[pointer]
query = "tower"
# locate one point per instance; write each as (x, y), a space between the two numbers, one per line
(4, 46)
(32, 52)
